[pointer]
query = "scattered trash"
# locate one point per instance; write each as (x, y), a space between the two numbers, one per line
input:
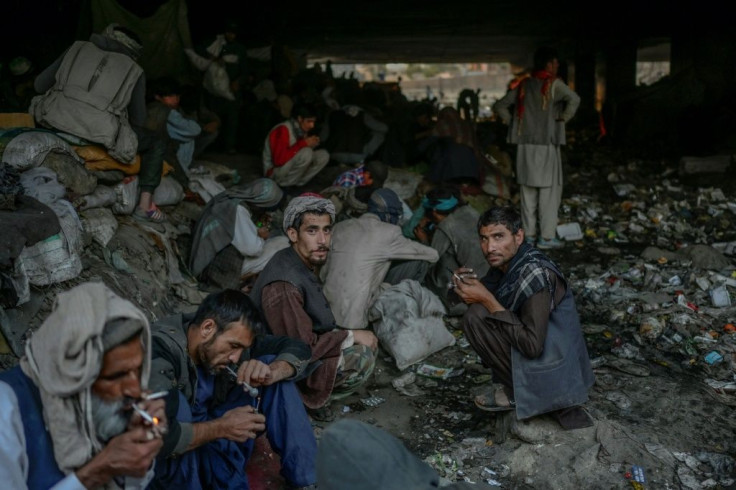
(372, 401)
(720, 297)
(570, 232)
(438, 372)
(713, 357)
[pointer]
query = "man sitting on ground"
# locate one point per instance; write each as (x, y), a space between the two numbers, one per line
(232, 241)
(367, 251)
(67, 414)
(214, 420)
(289, 155)
(523, 323)
(448, 226)
(186, 138)
(290, 296)
(97, 91)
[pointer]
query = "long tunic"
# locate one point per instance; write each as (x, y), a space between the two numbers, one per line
(362, 251)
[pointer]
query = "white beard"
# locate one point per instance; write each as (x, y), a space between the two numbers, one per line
(109, 418)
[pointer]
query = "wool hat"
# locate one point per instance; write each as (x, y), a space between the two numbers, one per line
(307, 202)
(118, 331)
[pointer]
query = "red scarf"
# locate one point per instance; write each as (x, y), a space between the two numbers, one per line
(540, 75)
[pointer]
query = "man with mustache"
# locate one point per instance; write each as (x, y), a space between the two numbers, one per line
(523, 323)
(290, 295)
(66, 412)
(214, 421)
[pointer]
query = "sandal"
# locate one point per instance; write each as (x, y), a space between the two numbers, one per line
(494, 401)
(322, 414)
(153, 215)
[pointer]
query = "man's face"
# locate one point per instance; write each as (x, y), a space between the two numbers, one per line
(499, 245)
(312, 240)
(218, 349)
(120, 375)
(118, 383)
(306, 124)
(553, 66)
(171, 101)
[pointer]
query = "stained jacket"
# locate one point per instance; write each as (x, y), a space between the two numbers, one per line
(456, 241)
(293, 303)
(173, 370)
(95, 82)
(361, 254)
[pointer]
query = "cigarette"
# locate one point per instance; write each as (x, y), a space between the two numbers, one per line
(145, 415)
(155, 396)
(253, 392)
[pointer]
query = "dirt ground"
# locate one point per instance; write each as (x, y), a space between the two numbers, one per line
(653, 410)
(659, 405)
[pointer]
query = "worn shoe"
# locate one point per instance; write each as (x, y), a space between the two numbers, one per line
(322, 414)
(545, 244)
(530, 240)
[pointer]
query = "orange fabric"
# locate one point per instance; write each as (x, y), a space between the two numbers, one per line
(541, 75)
(96, 158)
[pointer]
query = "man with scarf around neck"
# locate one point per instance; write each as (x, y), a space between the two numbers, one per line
(523, 323)
(291, 297)
(542, 105)
(201, 359)
(66, 412)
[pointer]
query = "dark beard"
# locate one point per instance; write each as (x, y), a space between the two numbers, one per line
(109, 418)
(203, 353)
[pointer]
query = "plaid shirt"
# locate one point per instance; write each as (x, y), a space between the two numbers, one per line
(351, 178)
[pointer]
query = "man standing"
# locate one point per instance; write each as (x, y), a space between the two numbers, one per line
(367, 251)
(67, 414)
(523, 323)
(213, 421)
(290, 296)
(289, 155)
(543, 104)
(97, 91)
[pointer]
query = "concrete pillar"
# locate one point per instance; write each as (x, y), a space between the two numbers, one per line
(620, 69)
(585, 88)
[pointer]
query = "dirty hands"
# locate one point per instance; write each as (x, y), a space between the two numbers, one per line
(365, 337)
(421, 230)
(256, 373)
(312, 141)
(131, 453)
(470, 290)
(241, 424)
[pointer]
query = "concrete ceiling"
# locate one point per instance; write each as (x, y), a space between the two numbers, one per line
(464, 30)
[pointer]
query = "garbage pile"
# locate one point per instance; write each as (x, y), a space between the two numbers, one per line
(659, 278)
(66, 218)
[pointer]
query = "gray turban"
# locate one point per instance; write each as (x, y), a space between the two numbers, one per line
(307, 204)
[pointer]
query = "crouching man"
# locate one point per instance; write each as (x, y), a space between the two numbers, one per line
(523, 323)
(202, 359)
(67, 417)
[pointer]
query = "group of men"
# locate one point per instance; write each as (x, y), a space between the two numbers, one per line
(103, 399)
(79, 407)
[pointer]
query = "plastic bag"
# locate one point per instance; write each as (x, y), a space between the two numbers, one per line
(217, 82)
